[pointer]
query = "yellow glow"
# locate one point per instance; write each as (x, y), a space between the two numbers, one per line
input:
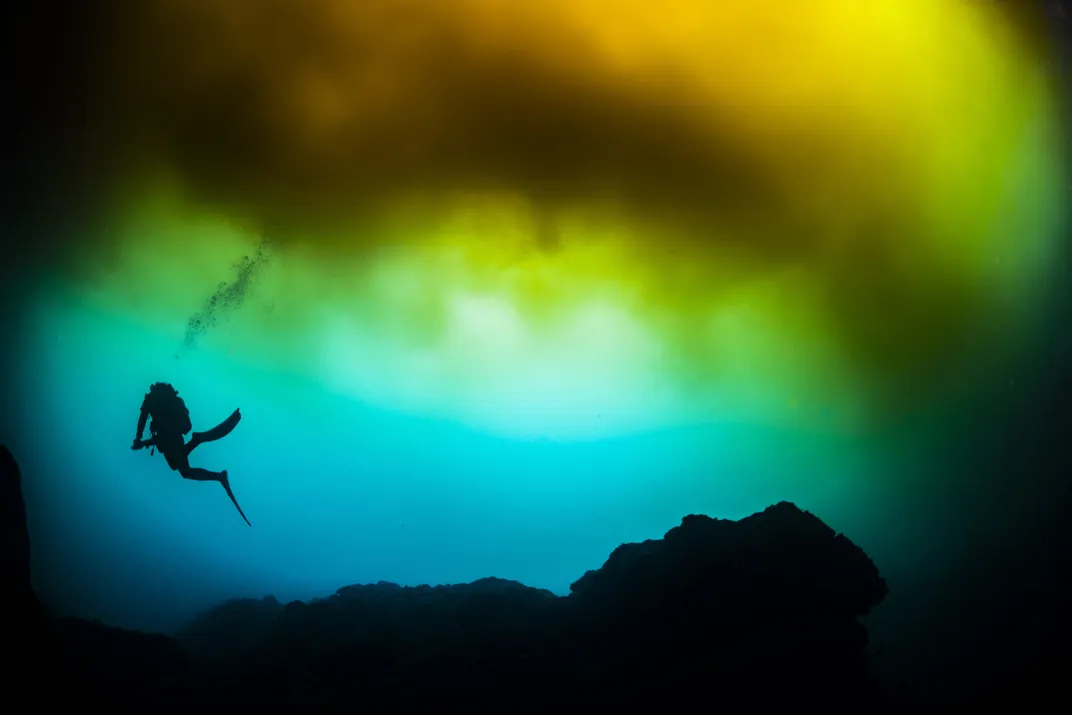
(535, 216)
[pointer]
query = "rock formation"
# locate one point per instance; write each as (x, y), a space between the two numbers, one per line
(763, 609)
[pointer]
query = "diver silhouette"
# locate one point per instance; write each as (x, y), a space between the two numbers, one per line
(170, 423)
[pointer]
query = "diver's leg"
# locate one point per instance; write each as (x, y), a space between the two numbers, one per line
(218, 432)
(202, 475)
(195, 439)
(227, 487)
(178, 458)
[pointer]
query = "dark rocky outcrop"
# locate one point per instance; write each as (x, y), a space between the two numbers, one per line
(764, 608)
(63, 660)
(99, 662)
(15, 544)
(23, 617)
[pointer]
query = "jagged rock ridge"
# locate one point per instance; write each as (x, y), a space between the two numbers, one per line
(716, 608)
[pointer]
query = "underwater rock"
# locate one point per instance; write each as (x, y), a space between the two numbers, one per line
(121, 665)
(734, 605)
(23, 616)
(715, 607)
(78, 659)
(15, 558)
(803, 563)
(228, 630)
(765, 607)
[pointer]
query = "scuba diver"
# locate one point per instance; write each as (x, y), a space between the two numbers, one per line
(170, 422)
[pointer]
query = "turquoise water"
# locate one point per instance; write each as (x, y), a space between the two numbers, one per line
(339, 492)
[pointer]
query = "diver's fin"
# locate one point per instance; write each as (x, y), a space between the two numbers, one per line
(219, 431)
(227, 485)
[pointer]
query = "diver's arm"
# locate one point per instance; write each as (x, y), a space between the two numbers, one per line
(142, 419)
